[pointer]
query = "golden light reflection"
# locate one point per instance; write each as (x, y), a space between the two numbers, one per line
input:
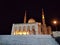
(21, 33)
(24, 33)
(43, 16)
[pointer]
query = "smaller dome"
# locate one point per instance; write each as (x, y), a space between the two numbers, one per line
(31, 20)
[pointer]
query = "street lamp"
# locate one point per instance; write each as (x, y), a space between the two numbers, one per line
(55, 23)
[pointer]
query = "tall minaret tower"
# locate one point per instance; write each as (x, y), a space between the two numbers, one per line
(44, 28)
(25, 17)
(43, 18)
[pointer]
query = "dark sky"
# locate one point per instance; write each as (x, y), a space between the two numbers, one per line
(13, 12)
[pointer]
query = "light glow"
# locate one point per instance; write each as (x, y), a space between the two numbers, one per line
(24, 33)
(31, 20)
(27, 33)
(55, 22)
(43, 16)
(21, 33)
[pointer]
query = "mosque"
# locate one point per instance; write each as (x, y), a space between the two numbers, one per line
(32, 27)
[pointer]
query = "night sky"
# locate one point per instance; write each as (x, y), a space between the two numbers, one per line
(13, 12)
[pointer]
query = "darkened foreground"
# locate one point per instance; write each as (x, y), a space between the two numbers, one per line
(57, 39)
(27, 40)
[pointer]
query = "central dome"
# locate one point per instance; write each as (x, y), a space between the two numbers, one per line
(31, 20)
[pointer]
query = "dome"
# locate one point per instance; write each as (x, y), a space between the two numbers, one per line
(31, 20)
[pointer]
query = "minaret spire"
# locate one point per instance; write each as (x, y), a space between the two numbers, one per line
(25, 17)
(43, 18)
(44, 28)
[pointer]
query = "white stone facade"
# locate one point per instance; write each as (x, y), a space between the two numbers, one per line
(23, 26)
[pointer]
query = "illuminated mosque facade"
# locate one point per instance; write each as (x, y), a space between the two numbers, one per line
(32, 27)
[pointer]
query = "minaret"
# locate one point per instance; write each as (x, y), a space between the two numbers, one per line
(44, 28)
(25, 17)
(43, 18)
